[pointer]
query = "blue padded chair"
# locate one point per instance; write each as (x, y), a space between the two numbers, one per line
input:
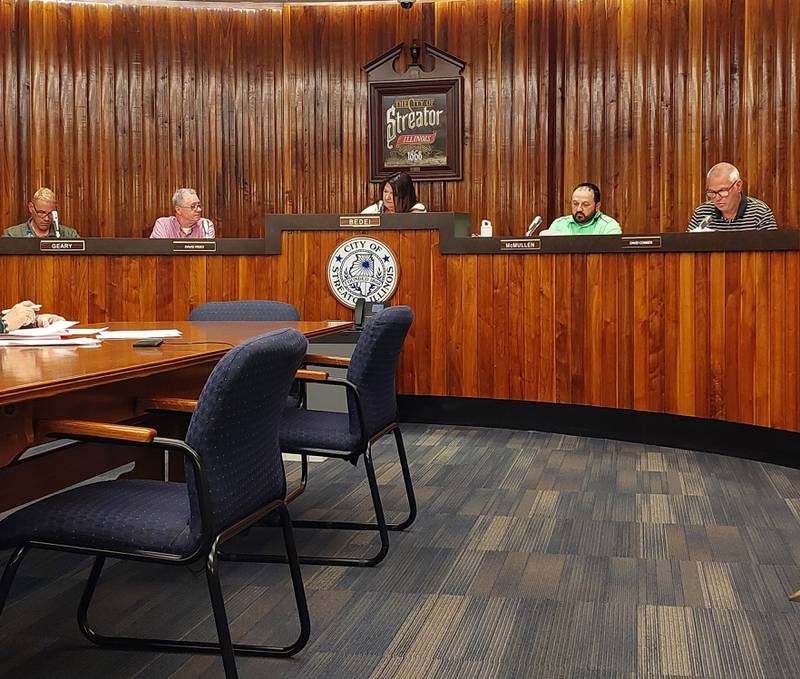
(252, 310)
(235, 477)
(372, 413)
(245, 310)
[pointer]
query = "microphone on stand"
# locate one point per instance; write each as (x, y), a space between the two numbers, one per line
(380, 206)
(54, 215)
(704, 222)
(204, 225)
(535, 224)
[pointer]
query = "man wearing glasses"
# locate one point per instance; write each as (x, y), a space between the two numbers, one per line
(188, 220)
(727, 207)
(41, 223)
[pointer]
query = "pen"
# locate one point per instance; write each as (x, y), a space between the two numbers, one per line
(33, 306)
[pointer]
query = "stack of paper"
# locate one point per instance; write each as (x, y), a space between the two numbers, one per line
(138, 334)
(56, 334)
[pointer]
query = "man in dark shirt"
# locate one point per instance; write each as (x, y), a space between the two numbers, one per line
(727, 208)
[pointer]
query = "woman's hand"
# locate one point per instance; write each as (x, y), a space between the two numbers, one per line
(43, 320)
(20, 315)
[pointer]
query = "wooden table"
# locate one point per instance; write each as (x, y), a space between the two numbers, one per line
(103, 383)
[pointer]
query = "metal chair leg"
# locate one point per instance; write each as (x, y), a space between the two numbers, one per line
(297, 580)
(12, 565)
(220, 615)
(412, 501)
(86, 600)
(379, 525)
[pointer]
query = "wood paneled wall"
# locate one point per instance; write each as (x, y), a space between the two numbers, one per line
(713, 335)
(265, 110)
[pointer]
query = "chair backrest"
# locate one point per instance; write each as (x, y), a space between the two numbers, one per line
(245, 310)
(373, 366)
(235, 427)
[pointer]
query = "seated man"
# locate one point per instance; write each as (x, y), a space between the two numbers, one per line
(726, 207)
(187, 222)
(41, 223)
(586, 218)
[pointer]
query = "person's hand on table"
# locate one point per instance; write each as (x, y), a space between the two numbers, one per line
(43, 320)
(21, 314)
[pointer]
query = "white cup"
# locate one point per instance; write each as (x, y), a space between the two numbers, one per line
(486, 228)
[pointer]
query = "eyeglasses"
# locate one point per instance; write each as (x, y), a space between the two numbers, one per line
(722, 193)
(193, 206)
(42, 213)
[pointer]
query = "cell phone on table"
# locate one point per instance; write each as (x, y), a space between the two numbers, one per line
(151, 342)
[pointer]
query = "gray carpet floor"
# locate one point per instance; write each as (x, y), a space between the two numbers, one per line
(534, 555)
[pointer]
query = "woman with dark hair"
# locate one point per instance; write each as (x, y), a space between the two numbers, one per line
(398, 196)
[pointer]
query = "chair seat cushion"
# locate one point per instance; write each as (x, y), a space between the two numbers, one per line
(122, 515)
(301, 428)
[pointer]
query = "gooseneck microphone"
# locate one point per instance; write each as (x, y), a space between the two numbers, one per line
(535, 224)
(204, 226)
(380, 206)
(56, 227)
(704, 222)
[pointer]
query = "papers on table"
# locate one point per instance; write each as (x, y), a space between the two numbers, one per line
(53, 330)
(62, 333)
(138, 334)
(73, 332)
(58, 334)
(56, 341)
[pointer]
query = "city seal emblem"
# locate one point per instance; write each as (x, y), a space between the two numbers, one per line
(362, 267)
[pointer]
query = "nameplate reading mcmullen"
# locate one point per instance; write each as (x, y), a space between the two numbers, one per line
(520, 244)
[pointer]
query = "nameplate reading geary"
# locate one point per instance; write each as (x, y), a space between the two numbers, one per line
(359, 221)
(62, 245)
(194, 246)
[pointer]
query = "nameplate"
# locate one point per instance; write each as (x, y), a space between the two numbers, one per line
(194, 246)
(62, 245)
(521, 244)
(359, 221)
(641, 242)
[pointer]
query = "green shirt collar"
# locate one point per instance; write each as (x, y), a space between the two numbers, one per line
(584, 225)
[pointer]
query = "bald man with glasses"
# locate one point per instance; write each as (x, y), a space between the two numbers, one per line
(727, 208)
(188, 220)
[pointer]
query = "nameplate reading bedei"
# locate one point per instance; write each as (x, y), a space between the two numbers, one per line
(359, 221)
(61, 245)
(362, 267)
(194, 246)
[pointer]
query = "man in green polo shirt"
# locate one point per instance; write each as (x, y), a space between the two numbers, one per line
(586, 218)
(41, 224)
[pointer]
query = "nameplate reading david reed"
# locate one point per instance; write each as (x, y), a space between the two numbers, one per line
(362, 267)
(194, 246)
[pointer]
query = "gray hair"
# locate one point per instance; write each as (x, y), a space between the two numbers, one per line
(724, 168)
(180, 194)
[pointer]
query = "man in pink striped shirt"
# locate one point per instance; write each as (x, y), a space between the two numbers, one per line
(187, 222)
